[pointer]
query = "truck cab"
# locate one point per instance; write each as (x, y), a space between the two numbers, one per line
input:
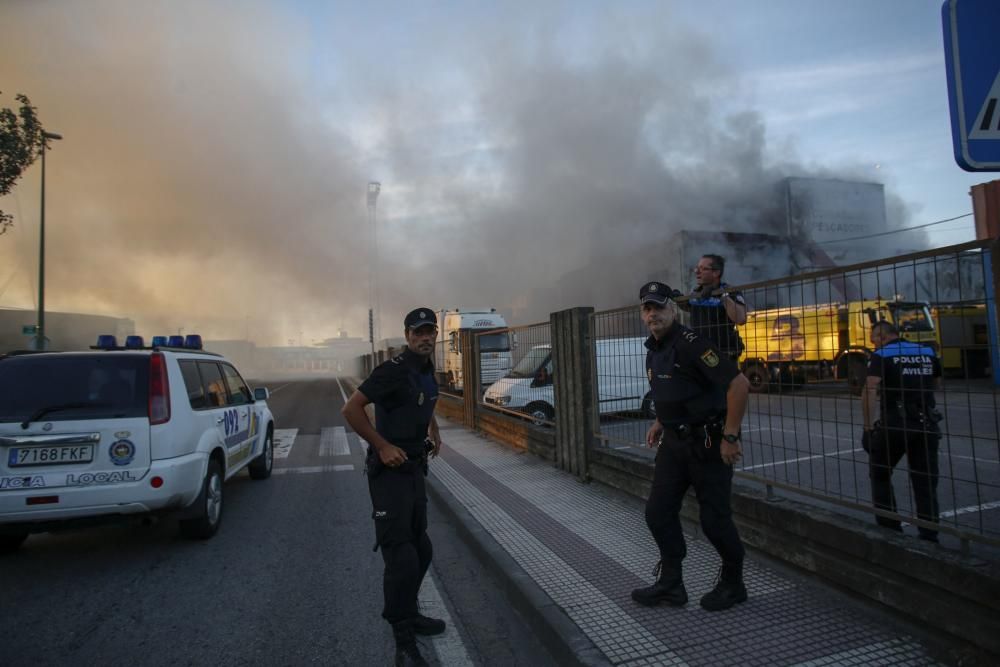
(494, 345)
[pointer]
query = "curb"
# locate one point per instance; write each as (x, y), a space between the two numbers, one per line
(559, 634)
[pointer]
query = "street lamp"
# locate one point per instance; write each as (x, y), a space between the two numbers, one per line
(40, 340)
(373, 189)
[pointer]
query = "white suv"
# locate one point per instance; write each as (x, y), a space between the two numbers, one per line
(124, 431)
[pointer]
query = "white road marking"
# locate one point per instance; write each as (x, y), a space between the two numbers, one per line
(284, 438)
(333, 442)
(797, 433)
(971, 508)
(449, 646)
(341, 388)
(801, 458)
(311, 470)
(978, 460)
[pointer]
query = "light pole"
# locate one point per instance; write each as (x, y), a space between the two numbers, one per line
(40, 340)
(373, 190)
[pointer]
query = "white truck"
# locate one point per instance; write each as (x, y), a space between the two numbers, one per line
(494, 347)
(622, 385)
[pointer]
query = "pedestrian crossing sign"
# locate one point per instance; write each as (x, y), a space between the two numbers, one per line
(972, 63)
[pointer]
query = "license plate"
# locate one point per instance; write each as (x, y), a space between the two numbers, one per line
(43, 456)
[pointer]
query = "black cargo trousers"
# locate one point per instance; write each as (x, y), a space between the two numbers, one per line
(399, 509)
(920, 444)
(691, 456)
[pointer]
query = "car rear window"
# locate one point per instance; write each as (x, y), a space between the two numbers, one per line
(72, 387)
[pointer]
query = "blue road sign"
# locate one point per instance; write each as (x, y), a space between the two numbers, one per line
(972, 61)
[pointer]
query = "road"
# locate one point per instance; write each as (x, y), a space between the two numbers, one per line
(290, 579)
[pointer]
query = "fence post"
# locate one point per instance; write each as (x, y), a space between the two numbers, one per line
(469, 345)
(573, 385)
(986, 211)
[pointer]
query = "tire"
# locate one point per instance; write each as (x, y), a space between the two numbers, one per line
(648, 409)
(857, 375)
(758, 376)
(11, 542)
(208, 506)
(260, 467)
(539, 413)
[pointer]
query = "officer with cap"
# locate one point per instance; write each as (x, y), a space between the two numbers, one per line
(404, 393)
(715, 307)
(700, 397)
(904, 374)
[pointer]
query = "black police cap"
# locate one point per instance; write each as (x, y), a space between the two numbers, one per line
(656, 292)
(420, 317)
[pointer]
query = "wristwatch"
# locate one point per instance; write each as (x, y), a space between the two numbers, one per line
(730, 437)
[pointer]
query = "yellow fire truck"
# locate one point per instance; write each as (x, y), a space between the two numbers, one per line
(964, 337)
(788, 346)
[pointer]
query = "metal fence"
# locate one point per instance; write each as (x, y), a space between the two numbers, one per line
(519, 382)
(807, 344)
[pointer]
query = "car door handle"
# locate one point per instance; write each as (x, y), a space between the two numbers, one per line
(220, 420)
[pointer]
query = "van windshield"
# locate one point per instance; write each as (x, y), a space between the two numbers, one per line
(78, 386)
(495, 342)
(530, 363)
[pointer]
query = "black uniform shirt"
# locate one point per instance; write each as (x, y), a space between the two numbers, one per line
(404, 392)
(709, 318)
(907, 371)
(688, 378)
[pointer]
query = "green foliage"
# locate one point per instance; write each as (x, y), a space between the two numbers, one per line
(21, 139)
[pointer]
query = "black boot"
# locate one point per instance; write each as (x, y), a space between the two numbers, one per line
(669, 586)
(407, 653)
(425, 625)
(729, 588)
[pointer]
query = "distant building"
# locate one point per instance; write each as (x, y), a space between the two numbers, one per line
(65, 331)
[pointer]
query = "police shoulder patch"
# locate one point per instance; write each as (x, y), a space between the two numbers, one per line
(710, 358)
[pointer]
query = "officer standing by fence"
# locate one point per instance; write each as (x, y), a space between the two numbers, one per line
(715, 309)
(404, 393)
(700, 397)
(906, 422)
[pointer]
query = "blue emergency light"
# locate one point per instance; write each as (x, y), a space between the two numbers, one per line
(175, 341)
(134, 343)
(106, 342)
(192, 342)
(159, 341)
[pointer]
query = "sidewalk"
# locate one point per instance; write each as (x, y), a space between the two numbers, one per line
(571, 553)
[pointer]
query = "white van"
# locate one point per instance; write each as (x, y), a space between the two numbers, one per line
(494, 347)
(622, 385)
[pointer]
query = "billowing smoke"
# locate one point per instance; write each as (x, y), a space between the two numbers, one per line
(215, 158)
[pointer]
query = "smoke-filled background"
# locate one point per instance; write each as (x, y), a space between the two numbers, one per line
(212, 175)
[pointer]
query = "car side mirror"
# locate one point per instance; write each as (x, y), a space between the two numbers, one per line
(261, 394)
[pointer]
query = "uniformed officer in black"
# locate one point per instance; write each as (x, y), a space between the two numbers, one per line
(716, 308)
(903, 374)
(404, 393)
(700, 397)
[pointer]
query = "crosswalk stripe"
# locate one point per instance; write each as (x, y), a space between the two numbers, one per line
(333, 442)
(284, 438)
(311, 470)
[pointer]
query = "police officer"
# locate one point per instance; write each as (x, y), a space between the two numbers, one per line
(715, 308)
(404, 393)
(700, 397)
(904, 422)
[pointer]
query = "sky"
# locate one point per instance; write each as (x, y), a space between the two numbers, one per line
(215, 158)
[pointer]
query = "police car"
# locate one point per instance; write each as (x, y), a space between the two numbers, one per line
(123, 431)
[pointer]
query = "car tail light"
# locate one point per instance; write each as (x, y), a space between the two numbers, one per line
(159, 390)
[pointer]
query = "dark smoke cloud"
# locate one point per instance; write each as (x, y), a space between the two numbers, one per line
(210, 179)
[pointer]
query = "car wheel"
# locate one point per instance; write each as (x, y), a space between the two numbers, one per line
(540, 413)
(857, 375)
(11, 542)
(260, 467)
(758, 377)
(208, 506)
